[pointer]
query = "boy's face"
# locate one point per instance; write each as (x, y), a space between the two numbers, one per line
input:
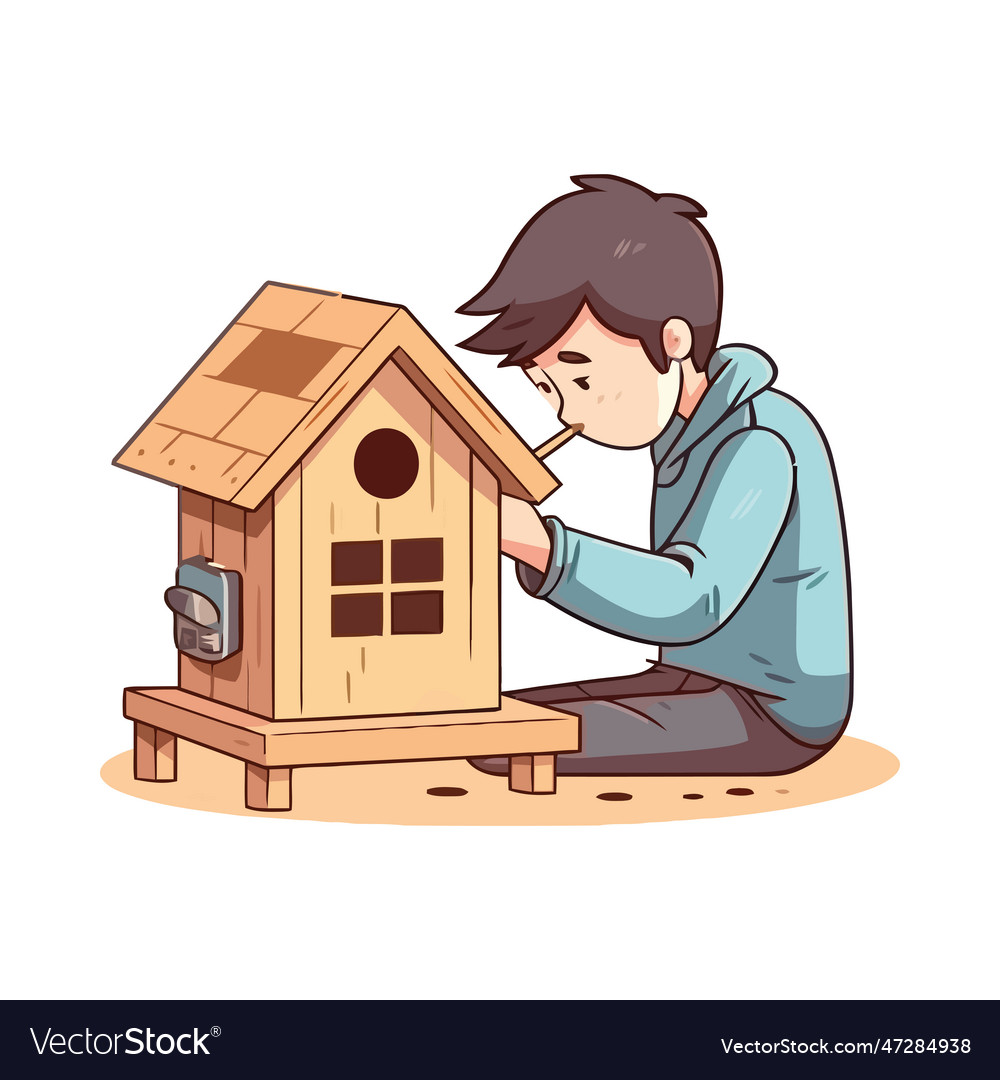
(604, 381)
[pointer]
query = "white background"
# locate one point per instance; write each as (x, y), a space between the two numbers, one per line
(163, 161)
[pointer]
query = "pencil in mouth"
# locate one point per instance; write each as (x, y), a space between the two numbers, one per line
(567, 433)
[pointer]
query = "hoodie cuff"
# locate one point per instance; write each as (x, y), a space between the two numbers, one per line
(537, 583)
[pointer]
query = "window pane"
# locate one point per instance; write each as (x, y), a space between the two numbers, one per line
(356, 562)
(417, 612)
(356, 615)
(418, 560)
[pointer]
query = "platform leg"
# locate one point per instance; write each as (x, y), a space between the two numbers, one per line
(534, 774)
(154, 756)
(268, 789)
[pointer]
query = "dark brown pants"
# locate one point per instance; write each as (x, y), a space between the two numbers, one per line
(667, 722)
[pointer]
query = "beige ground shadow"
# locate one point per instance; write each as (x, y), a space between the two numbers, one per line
(397, 794)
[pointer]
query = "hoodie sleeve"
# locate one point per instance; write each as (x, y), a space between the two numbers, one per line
(688, 588)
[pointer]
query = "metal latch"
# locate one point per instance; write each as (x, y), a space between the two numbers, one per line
(206, 606)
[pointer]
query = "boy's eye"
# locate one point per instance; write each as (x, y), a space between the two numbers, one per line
(545, 388)
(582, 382)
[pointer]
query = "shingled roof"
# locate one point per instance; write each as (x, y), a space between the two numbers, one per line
(282, 371)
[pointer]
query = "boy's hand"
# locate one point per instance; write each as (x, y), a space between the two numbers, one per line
(523, 534)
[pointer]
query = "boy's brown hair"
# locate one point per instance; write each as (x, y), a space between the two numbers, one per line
(635, 258)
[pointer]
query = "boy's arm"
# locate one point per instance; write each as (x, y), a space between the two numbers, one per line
(693, 584)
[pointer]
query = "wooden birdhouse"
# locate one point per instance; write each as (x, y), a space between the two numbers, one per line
(338, 537)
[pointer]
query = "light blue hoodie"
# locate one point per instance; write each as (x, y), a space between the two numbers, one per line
(747, 577)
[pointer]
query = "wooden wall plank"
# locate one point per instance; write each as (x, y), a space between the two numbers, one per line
(195, 537)
(229, 676)
(287, 614)
(258, 609)
(484, 577)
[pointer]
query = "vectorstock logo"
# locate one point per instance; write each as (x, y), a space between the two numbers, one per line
(136, 1040)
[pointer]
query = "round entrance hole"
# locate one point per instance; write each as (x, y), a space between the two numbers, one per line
(386, 463)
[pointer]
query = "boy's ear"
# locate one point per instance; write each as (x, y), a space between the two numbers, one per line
(677, 339)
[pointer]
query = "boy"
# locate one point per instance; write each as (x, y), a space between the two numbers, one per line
(609, 301)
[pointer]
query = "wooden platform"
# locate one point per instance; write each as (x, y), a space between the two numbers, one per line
(530, 734)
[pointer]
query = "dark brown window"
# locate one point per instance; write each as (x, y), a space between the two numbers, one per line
(356, 615)
(360, 562)
(417, 612)
(386, 463)
(418, 560)
(356, 562)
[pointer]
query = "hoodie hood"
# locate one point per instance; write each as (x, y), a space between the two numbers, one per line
(736, 374)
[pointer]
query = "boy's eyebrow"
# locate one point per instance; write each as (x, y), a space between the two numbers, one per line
(573, 358)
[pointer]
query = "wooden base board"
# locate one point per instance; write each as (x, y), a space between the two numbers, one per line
(530, 734)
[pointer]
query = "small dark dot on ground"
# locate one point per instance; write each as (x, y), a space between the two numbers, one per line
(615, 796)
(739, 791)
(694, 795)
(445, 791)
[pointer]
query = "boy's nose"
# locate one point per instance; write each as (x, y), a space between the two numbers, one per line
(569, 412)
(560, 406)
